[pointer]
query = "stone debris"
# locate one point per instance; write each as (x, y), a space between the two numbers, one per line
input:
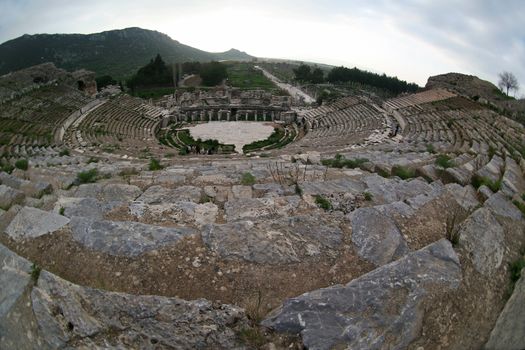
(376, 237)
(381, 309)
(272, 241)
(32, 222)
(124, 238)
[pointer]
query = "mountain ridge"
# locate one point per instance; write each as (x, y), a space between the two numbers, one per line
(117, 52)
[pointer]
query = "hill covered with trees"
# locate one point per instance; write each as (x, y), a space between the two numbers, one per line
(118, 53)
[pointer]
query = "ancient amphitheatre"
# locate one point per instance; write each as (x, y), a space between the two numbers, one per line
(365, 223)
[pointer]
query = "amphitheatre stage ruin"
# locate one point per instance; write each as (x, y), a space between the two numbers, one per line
(362, 223)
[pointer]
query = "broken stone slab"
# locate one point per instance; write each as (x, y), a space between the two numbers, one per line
(501, 206)
(271, 189)
(178, 212)
(169, 179)
(392, 190)
(108, 192)
(376, 236)
(56, 314)
(484, 192)
(30, 188)
(492, 170)
(239, 191)
(484, 238)
(14, 278)
(457, 175)
(379, 310)
(332, 186)
(215, 179)
(124, 238)
(253, 208)
(9, 197)
(464, 196)
(395, 208)
(420, 200)
(32, 222)
(509, 331)
(282, 240)
(158, 194)
(86, 207)
(512, 182)
(219, 194)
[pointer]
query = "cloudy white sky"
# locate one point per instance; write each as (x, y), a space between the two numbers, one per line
(412, 39)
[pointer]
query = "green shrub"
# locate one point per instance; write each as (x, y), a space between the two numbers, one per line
(22, 164)
(35, 272)
(478, 181)
(515, 270)
(88, 176)
(339, 161)
(154, 165)
(62, 211)
(322, 202)
(247, 179)
(64, 152)
(8, 168)
(298, 190)
(403, 172)
(368, 196)
(183, 151)
(430, 148)
(520, 205)
(92, 160)
(444, 161)
(523, 196)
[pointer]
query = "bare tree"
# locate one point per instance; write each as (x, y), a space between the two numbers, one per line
(508, 81)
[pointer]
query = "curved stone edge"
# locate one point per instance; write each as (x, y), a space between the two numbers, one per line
(509, 331)
(381, 309)
(54, 313)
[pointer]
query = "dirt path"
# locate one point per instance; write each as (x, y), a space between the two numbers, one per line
(296, 93)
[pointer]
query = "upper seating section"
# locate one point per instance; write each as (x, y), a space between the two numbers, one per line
(34, 103)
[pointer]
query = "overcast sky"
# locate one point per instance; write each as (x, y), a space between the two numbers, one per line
(412, 39)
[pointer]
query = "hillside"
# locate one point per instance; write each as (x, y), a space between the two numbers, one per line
(117, 52)
(479, 90)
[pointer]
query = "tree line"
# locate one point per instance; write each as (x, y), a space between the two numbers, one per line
(158, 74)
(338, 75)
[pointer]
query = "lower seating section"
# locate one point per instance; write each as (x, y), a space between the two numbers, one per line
(346, 122)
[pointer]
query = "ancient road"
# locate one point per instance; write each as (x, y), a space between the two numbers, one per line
(296, 93)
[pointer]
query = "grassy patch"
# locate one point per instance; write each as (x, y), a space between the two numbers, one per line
(35, 272)
(322, 202)
(403, 172)
(430, 148)
(64, 152)
(444, 161)
(93, 160)
(22, 164)
(478, 181)
(274, 138)
(247, 179)
(368, 196)
(245, 76)
(252, 337)
(515, 269)
(339, 161)
(154, 164)
(88, 176)
(520, 206)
